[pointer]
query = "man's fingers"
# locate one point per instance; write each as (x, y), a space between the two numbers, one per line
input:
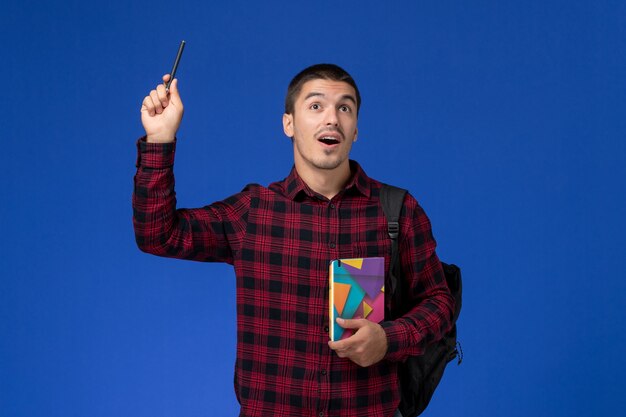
(346, 348)
(162, 94)
(166, 78)
(334, 345)
(341, 354)
(343, 345)
(158, 107)
(346, 344)
(340, 347)
(148, 106)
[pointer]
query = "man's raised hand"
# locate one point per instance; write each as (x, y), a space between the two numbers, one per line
(162, 112)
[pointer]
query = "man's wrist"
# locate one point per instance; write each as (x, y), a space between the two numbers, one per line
(165, 138)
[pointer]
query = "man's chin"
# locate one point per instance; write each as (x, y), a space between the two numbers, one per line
(329, 163)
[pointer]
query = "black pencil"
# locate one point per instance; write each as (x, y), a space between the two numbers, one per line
(173, 72)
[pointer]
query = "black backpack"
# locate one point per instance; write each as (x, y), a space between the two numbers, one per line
(419, 375)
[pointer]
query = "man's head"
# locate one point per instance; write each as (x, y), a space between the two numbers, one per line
(329, 72)
(321, 119)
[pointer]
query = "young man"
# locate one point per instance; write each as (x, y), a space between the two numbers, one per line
(280, 240)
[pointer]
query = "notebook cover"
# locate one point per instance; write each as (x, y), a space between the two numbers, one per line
(356, 290)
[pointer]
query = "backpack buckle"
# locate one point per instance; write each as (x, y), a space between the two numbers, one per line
(393, 228)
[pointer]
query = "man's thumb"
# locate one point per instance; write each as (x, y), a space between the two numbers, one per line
(174, 94)
(349, 323)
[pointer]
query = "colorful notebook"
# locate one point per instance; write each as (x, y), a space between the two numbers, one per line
(356, 290)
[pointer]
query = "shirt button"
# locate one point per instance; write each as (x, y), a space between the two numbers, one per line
(326, 329)
(321, 414)
(324, 372)
(332, 206)
(332, 245)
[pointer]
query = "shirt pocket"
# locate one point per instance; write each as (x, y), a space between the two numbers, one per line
(374, 244)
(371, 249)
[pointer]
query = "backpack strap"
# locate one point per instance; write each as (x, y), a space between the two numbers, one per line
(418, 375)
(391, 200)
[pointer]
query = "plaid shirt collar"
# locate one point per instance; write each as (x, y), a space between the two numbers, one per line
(294, 186)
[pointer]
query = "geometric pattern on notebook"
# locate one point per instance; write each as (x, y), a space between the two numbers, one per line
(358, 291)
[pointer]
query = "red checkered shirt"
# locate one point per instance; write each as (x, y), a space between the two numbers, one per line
(280, 240)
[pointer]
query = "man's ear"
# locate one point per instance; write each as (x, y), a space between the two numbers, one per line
(288, 124)
(356, 132)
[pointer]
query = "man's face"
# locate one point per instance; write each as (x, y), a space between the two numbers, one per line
(323, 124)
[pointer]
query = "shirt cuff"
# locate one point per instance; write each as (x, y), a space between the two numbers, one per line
(397, 337)
(155, 155)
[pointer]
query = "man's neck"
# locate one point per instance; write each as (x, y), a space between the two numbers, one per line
(327, 182)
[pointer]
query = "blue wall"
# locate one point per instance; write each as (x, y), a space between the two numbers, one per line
(505, 119)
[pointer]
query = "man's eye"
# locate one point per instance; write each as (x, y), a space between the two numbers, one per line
(315, 106)
(345, 109)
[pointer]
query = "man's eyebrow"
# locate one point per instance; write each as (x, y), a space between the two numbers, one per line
(313, 94)
(316, 94)
(349, 97)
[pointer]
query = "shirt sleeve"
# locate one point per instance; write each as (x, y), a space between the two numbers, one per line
(211, 234)
(433, 304)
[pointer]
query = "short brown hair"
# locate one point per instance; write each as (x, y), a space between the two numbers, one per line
(315, 72)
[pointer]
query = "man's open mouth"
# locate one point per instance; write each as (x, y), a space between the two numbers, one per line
(327, 140)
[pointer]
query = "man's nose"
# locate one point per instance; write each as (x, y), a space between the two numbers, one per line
(331, 118)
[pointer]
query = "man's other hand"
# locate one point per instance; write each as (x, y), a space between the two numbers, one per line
(367, 346)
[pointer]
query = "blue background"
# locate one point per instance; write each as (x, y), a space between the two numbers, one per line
(505, 119)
